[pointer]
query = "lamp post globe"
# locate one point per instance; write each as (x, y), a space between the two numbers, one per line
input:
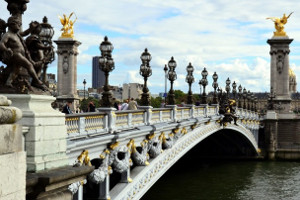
(46, 35)
(106, 64)
(145, 71)
(190, 79)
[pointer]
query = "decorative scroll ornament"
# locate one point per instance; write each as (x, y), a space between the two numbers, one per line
(155, 146)
(83, 159)
(65, 64)
(99, 175)
(120, 158)
(140, 154)
(169, 141)
(280, 63)
(73, 188)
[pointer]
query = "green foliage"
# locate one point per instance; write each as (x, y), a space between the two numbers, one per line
(179, 96)
(156, 102)
(84, 103)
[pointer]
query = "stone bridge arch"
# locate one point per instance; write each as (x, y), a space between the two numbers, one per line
(145, 176)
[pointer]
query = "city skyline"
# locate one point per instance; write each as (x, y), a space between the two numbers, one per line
(228, 37)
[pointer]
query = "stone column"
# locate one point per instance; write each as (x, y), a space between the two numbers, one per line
(46, 140)
(279, 72)
(12, 155)
(67, 51)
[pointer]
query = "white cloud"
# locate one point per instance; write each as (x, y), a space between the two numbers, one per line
(228, 37)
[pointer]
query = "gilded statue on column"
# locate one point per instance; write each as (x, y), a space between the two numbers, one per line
(279, 24)
(68, 23)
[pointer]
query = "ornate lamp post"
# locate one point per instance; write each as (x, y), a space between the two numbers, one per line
(252, 101)
(240, 96)
(107, 64)
(244, 97)
(249, 100)
(84, 82)
(145, 71)
(215, 86)
(172, 76)
(204, 83)
(190, 79)
(234, 89)
(46, 35)
(166, 77)
(227, 88)
(255, 104)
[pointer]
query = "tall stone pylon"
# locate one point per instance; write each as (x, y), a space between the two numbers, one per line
(67, 51)
(280, 69)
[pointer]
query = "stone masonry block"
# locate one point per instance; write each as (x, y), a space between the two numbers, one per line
(13, 175)
(40, 148)
(10, 138)
(44, 133)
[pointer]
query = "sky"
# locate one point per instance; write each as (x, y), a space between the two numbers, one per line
(227, 37)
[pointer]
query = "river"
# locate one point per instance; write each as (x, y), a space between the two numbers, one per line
(242, 180)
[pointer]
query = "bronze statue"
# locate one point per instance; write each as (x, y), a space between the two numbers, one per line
(37, 48)
(67, 29)
(279, 24)
(15, 55)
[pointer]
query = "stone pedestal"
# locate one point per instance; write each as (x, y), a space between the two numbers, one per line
(280, 72)
(67, 51)
(12, 155)
(45, 142)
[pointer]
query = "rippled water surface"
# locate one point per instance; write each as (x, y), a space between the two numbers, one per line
(245, 180)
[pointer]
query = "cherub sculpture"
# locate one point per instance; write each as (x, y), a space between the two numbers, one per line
(67, 29)
(15, 55)
(279, 24)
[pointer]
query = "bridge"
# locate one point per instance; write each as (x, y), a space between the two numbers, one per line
(131, 150)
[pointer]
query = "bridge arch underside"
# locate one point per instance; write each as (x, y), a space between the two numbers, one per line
(209, 141)
(225, 143)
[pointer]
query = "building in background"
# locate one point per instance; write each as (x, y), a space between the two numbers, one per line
(132, 90)
(98, 77)
(292, 81)
(52, 84)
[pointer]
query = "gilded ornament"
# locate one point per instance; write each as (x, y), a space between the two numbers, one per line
(68, 23)
(279, 24)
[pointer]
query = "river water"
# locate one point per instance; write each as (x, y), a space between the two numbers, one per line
(243, 180)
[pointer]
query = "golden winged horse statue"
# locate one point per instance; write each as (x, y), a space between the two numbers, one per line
(279, 24)
(67, 29)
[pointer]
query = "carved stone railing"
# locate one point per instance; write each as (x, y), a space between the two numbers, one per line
(120, 138)
(86, 123)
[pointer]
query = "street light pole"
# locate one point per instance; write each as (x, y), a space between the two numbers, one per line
(84, 82)
(215, 86)
(106, 63)
(190, 79)
(145, 71)
(204, 83)
(166, 77)
(172, 76)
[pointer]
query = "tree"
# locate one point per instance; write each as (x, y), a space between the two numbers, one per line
(85, 102)
(156, 102)
(179, 96)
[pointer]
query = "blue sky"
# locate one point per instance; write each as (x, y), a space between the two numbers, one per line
(228, 37)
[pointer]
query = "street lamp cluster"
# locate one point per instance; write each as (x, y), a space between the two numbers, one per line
(106, 64)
